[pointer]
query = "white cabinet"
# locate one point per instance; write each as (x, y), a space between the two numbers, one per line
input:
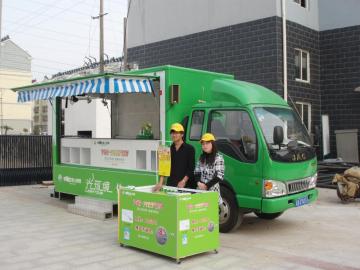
(110, 153)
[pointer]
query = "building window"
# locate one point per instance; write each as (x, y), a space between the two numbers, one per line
(36, 110)
(44, 118)
(302, 65)
(302, 3)
(36, 118)
(44, 109)
(43, 130)
(304, 110)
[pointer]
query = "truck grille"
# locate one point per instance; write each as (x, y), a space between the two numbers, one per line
(298, 185)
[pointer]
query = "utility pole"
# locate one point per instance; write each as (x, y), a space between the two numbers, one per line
(1, 90)
(101, 36)
(101, 51)
(283, 8)
(125, 61)
(125, 45)
(0, 16)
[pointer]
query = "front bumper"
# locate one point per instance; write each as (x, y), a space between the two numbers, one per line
(275, 205)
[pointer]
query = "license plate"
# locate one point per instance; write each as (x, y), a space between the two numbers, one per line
(301, 201)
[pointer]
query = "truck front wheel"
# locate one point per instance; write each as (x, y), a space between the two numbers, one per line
(229, 215)
(268, 216)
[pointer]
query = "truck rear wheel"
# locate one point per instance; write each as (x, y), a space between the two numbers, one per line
(230, 217)
(269, 216)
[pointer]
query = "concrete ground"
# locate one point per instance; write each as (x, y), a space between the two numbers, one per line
(37, 232)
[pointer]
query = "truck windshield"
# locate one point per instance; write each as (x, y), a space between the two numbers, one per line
(293, 144)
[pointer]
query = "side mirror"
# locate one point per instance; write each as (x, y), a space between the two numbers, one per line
(278, 135)
(317, 135)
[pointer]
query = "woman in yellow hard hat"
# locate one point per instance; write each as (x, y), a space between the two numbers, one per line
(209, 170)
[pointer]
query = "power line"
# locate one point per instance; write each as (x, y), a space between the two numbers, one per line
(73, 35)
(52, 67)
(17, 60)
(58, 50)
(57, 14)
(60, 33)
(13, 61)
(43, 59)
(73, 66)
(39, 70)
(59, 40)
(21, 29)
(44, 66)
(119, 32)
(33, 14)
(71, 11)
(54, 39)
(47, 60)
(90, 26)
(36, 59)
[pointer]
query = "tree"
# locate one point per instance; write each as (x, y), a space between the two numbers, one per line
(25, 130)
(6, 128)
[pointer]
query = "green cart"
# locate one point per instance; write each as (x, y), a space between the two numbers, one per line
(173, 222)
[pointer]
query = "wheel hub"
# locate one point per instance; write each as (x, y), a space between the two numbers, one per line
(224, 211)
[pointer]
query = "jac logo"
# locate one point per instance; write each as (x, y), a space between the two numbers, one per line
(299, 157)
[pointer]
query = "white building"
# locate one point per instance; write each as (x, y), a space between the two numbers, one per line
(15, 70)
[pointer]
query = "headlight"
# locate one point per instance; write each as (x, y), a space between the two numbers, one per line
(312, 182)
(274, 188)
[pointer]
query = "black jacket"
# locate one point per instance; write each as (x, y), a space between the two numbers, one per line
(182, 163)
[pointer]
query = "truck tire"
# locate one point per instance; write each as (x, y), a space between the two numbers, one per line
(268, 216)
(230, 218)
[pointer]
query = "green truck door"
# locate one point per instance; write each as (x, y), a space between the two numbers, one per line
(237, 141)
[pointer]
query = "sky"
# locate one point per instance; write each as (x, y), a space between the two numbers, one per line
(59, 34)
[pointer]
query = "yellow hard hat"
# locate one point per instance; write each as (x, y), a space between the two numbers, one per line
(177, 127)
(207, 137)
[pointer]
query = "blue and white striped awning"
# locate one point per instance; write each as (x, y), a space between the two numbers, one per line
(97, 85)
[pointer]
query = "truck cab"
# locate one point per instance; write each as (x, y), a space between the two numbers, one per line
(270, 165)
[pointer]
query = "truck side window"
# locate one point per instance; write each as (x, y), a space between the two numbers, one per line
(197, 121)
(184, 123)
(235, 134)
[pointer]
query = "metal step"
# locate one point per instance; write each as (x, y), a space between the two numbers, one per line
(90, 213)
(92, 208)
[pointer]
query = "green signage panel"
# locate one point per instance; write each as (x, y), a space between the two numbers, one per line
(173, 222)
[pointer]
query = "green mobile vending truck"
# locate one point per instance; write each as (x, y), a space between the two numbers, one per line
(270, 164)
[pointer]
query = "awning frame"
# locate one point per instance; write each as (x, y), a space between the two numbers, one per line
(108, 83)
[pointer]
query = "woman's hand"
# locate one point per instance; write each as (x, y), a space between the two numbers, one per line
(181, 184)
(202, 186)
(157, 187)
